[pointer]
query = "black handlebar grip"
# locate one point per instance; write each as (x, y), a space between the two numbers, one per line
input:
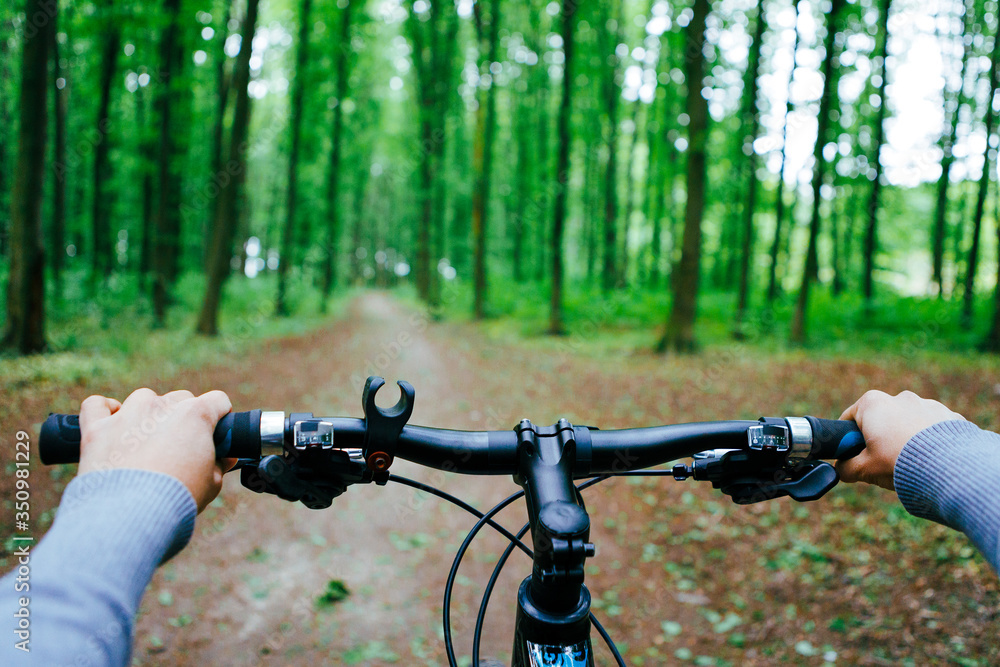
(59, 441)
(835, 438)
(237, 435)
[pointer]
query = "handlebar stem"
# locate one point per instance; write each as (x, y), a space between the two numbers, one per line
(560, 526)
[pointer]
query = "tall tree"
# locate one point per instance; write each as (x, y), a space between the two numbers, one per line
(167, 218)
(972, 265)
(798, 334)
(222, 90)
(952, 109)
(341, 65)
(110, 40)
(751, 127)
(146, 174)
(5, 28)
(526, 168)
(433, 43)
(58, 235)
(483, 151)
(623, 264)
(25, 331)
(569, 8)
(612, 94)
(295, 131)
(679, 333)
(871, 232)
(992, 341)
(655, 181)
(226, 203)
(540, 84)
(779, 196)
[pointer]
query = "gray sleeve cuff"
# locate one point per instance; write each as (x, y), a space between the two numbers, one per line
(142, 513)
(950, 473)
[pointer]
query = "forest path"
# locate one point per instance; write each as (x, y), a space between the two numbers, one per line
(252, 573)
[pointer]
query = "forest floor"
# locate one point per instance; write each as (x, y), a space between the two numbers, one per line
(681, 576)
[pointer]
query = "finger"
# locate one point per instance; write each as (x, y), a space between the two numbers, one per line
(216, 403)
(227, 464)
(143, 397)
(177, 396)
(95, 408)
(849, 413)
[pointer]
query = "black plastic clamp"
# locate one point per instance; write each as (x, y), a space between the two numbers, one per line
(382, 427)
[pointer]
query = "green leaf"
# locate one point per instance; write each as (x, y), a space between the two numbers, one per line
(336, 591)
(806, 648)
(671, 628)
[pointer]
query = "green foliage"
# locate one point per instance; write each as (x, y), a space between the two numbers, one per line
(102, 335)
(336, 591)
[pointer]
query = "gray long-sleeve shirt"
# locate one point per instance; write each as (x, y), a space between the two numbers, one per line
(85, 580)
(113, 528)
(950, 473)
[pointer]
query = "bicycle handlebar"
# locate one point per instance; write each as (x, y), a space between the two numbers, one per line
(246, 435)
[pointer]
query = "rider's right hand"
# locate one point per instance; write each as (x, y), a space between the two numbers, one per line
(887, 423)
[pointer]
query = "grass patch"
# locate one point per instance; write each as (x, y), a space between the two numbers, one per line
(600, 323)
(109, 334)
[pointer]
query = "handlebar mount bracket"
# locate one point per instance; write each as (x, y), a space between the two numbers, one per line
(382, 427)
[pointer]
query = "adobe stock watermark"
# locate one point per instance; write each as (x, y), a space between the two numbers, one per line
(22, 540)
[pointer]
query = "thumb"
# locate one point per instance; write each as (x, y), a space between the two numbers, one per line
(864, 468)
(855, 468)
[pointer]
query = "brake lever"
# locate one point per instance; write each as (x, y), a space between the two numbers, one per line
(810, 481)
(751, 476)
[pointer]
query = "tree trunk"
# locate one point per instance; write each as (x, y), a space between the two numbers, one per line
(836, 235)
(968, 294)
(569, 8)
(222, 89)
(779, 198)
(360, 183)
(432, 58)
(146, 173)
(226, 203)
(679, 334)
(166, 237)
(609, 272)
(629, 197)
(101, 243)
(5, 29)
(751, 115)
(295, 128)
(798, 334)
(947, 160)
(26, 282)
(591, 201)
(483, 151)
(992, 341)
(330, 273)
(871, 233)
(525, 170)
(541, 84)
(58, 236)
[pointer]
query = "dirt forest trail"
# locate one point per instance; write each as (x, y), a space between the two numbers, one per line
(681, 574)
(257, 564)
